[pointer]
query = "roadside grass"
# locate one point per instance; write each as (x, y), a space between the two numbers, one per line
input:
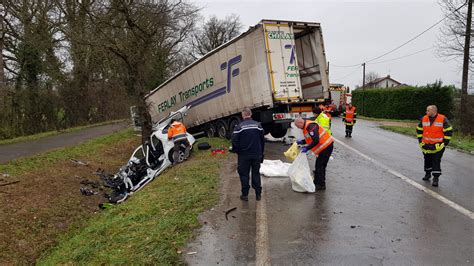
(46, 201)
(385, 119)
(57, 132)
(152, 226)
(461, 142)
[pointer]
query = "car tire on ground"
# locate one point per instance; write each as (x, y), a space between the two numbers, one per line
(204, 146)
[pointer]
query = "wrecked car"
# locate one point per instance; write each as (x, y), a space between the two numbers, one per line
(148, 160)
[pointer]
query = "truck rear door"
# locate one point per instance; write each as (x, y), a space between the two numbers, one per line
(281, 55)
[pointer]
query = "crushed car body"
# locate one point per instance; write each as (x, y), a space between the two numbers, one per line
(147, 161)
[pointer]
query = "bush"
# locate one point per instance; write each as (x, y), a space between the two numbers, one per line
(405, 102)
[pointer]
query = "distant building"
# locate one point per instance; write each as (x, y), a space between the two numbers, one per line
(385, 82)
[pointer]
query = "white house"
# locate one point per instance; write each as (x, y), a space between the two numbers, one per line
(385, 82)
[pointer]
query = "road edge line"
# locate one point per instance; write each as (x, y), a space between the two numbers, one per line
(261, 238)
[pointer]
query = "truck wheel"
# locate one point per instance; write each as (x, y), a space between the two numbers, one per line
(233, 123)
(278, 131)
(209, 130)
(222, 129)
(266, 128)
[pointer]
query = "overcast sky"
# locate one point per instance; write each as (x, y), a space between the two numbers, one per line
(356, 31)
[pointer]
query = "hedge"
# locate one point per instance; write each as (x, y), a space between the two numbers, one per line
(403, 102)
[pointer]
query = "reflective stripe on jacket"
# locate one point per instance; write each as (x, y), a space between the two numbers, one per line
(324, 121)
(433, 133)
(325, 138)
(177, 131)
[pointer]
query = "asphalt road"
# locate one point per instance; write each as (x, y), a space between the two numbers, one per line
(10, 152)
(376, 210)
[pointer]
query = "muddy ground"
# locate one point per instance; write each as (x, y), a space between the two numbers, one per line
(47, 202)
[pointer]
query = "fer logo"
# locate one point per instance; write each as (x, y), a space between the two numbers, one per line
(235, 72)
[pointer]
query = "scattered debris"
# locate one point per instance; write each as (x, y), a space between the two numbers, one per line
(191, 253)
(214, 152)
(93, 184)
(106, 205)
(5, 175)
(88, 192)
(79, 162)
(229, 211)
(10, 183)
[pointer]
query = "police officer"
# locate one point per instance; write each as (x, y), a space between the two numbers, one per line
(177, 133)
(434, 134)
(248, 142)
(320, 142)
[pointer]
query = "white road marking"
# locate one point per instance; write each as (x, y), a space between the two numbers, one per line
(261, 245)
(410, 181)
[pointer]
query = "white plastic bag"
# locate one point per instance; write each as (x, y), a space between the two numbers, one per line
(273, 168)
(300, 175)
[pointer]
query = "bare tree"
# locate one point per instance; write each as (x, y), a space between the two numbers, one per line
(143, 38)
(452, 34)
(213, 33)
(371, 77)
(455, 42)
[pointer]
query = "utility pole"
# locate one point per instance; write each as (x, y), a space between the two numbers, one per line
(465, 125)
(363, 89)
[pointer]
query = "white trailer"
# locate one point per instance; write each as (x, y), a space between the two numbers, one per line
(276, 68)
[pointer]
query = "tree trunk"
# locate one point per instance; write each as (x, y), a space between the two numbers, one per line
(466, 123)
(2, 73)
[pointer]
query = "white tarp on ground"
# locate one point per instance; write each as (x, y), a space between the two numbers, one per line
(272, 168)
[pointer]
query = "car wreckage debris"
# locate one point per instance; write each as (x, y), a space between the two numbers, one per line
(77, 162)
(147, 161)
(229, 211)
(10, 183)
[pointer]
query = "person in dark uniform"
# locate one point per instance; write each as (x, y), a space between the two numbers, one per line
(248, 142)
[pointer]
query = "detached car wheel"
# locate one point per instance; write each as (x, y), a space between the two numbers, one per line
(204, 146)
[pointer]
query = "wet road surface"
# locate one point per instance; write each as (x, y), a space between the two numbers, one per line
(367, 215)
(13, 151)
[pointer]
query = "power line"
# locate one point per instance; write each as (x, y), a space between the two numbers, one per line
(351, 73)
(354, 65)
(401, 57)
(407, 42)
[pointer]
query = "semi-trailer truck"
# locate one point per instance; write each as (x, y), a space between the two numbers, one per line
(277, 68)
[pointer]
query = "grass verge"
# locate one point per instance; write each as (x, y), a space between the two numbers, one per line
(384, 119)
(153, 225)
(46, 199)
(463, 143)
(53, 133)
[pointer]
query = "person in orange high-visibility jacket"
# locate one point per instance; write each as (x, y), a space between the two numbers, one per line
(434, 134)
(349, 119)
(320, 142)
(177, 133)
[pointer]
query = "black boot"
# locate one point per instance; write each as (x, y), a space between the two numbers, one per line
(435, 181)
(244, 198)
(427, 176)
